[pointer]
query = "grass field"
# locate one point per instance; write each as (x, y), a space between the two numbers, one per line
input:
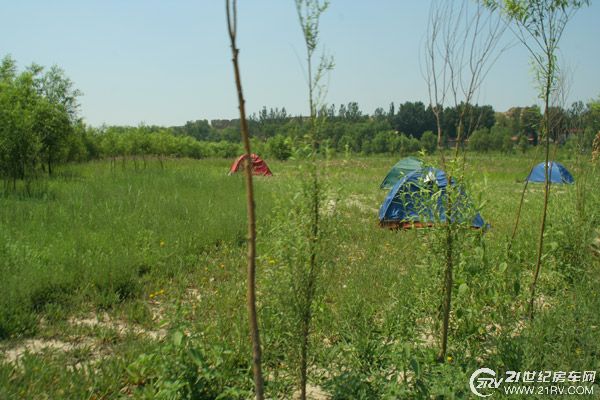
(131, 283)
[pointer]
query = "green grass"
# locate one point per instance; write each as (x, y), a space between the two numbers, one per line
(163, 251)
(102, 238)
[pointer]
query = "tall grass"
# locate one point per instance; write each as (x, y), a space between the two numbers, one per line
(98, 234)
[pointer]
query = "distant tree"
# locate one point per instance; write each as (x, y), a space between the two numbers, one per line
(523, 143)
(479, 140)
(382, 142)
(558, 123)
(19, 144)
(52, 124)
(353, 112)
(379, 114)
(592, 118)
(199, 129)
(37, 117)
(530, 120)
(414, 119)
(280, 147)
(58, 89)
(429, 142)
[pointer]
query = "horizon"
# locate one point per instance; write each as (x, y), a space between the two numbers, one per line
(155, 64)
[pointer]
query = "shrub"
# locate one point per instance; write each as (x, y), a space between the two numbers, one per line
(428, 141)
(279, 147)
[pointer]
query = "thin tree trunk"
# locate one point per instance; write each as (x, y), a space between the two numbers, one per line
(448, 282)
(307, 317)
(251, 268)
(546, 187)
(518, 217)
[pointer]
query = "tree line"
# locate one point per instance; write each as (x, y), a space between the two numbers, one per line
(40, 127)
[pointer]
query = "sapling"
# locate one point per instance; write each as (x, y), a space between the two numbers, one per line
(539, 26)
(309, 13)
(461, 46)
(251, 269)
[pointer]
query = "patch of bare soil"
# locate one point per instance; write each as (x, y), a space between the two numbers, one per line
(427, 332)
(313, 393)
(35, 346)
(595, 246)
(119, 326)
(358, 202)
(68, 344)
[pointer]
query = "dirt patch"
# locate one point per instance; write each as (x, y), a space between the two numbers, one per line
(121, 328)
(118, 326)
(427, 334)
(313, 393)
(358, 202)
(595, 246)
(36, 346)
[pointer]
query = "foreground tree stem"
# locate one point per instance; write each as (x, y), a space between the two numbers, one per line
(540, 249)
(251, 269)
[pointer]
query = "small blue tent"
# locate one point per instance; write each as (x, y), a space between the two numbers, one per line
(418, 200)
(557, 173)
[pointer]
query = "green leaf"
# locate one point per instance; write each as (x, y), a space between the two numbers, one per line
(197, 357)
(414, 365)
(177, 338)
(462, 289)
(503, 266)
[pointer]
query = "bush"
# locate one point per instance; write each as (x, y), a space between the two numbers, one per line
(279, 147)
(429, 141)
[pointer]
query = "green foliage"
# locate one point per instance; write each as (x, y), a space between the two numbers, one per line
(279, 147)
(495, 139)
(429, 142)
(103, 250)
(185, 367)
(36, 115)
(106, 243)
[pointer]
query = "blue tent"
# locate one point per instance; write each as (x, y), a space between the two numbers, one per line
(557, 173)
(401, 168)
(418, 200)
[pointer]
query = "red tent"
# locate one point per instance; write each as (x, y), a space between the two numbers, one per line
(259, 167)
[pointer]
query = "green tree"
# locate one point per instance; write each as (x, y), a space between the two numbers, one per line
(52, 124)
(19, 145)
(309, 14)
(530, 121)
(250, 208)
(539, 26)
(429, 142)
(414, 119)
(280, 147)
(59, 90)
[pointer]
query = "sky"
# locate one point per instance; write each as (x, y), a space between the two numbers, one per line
(168, 62)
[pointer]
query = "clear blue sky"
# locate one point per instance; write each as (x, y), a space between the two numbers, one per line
(167, 62)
